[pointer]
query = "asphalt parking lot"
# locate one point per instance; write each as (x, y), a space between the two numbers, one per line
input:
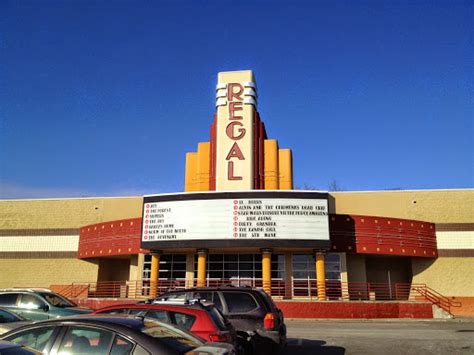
(386, 337)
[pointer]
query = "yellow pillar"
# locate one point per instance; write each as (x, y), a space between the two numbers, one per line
(201, 274)
(270, 157)
(155, 270)
(203, 166)
(285, 166)
(190, 174)
(267, 270)
(321, 275)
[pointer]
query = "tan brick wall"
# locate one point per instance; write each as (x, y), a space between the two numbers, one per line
(45, 272)
(66, 213)
(450, 276)
(437, 206)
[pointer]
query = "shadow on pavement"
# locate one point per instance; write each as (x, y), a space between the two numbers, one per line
(309, 347)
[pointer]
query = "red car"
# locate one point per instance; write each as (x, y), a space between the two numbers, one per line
(205, 321)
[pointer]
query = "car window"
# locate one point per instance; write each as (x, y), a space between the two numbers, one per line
(183, 320)
(172, 336)
(7, 317)
(239, 302)
(218, 318)
(31, 302)
(36, 338)
(121, 346)
(57, 300)
(217, 302)
(209, 296)
(158, 314)
(8, 299)
(137, 311)
(20, 351)
(86, 340)
(203, 295)
(140, 351)
(115, 311)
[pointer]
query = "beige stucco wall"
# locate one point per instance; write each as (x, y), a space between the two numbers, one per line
(66, 213)
(45, 272)
(437, 206)
(451, 276)
(48, 214)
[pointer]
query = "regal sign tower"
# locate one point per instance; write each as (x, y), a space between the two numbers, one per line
(239, 156)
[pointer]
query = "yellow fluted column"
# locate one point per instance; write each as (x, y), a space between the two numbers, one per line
(155, 270)
(190, 183)
(203, 166)
(201, 272)
(285, 166)
(267, 270)
(321, 275)
(270, 157)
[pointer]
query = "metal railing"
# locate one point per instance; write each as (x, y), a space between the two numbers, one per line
(296, 289)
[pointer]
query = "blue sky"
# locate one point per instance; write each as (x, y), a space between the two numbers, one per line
(104, 98)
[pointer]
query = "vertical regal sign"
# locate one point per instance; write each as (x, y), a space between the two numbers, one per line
(236, 101)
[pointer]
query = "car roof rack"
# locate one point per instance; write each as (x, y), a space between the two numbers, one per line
(28, 289)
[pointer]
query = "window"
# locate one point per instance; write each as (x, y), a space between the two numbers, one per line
(121, 346)
(137, 312)
(158, 314)
(115, 311)
(217, 302)
(86, 340)
(239, 302)
(210, 297)
(6, 317)
(183, 320)
(8, 299)
(333, 266)
(172, 336)
(56, 300)
(304, 267)
(244, 268)
(172, 267)
(218, 318)
(31, 302)
(34, 338)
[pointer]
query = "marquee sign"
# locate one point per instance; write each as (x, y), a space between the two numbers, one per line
(256, 218)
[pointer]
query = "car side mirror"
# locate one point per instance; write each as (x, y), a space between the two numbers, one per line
(44, 307)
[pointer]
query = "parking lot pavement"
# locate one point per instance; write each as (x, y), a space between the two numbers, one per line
(386, 337)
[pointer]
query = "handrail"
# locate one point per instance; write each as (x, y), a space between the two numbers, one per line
(436, 298)
(303, 289)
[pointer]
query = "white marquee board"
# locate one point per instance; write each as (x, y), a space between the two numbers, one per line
(263, 216)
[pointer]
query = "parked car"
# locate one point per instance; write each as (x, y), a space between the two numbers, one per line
(38, 304)
(9, 348)
(10, 320)
(203, 320)
(251, 311)
(111, 334)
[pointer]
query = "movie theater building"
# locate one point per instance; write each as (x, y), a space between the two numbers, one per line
(239, 221)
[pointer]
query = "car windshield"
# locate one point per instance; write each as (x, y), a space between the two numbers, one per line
(57, 300)
(172, 336)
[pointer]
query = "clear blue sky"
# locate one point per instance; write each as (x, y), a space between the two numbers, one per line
(104, 98)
